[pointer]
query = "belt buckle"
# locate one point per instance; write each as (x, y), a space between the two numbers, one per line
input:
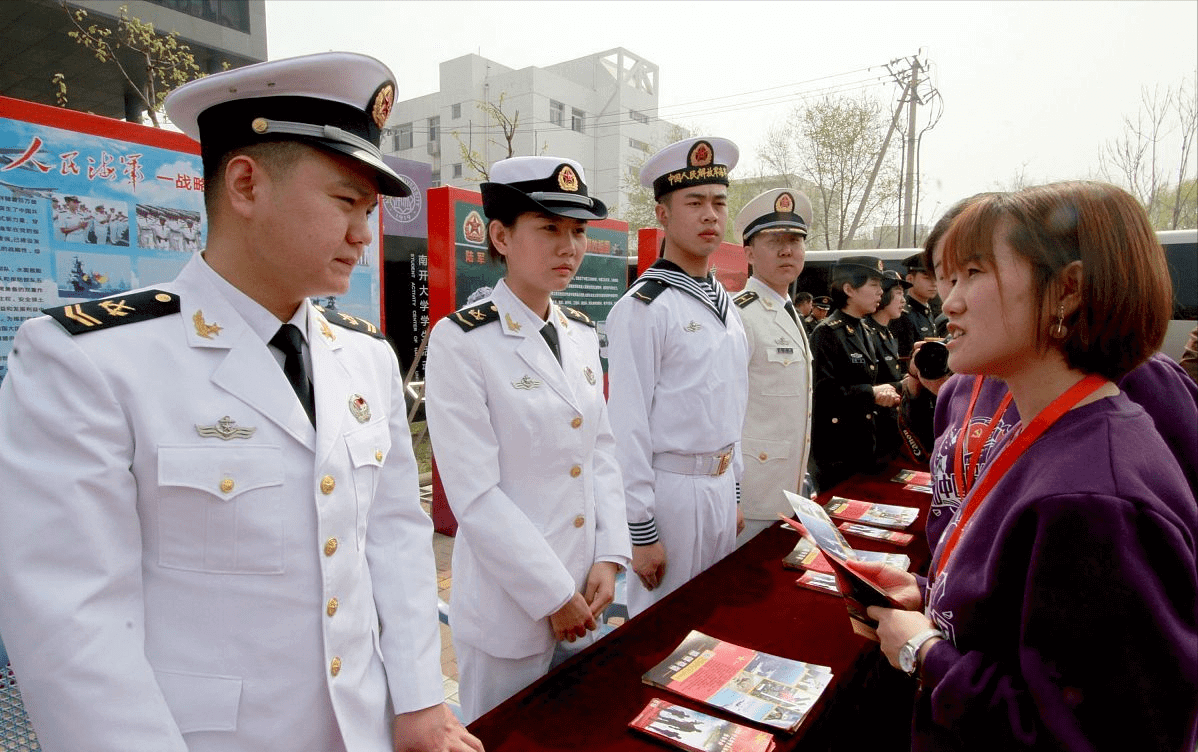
(725, 461)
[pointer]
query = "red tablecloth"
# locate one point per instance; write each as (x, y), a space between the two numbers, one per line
(749, 599)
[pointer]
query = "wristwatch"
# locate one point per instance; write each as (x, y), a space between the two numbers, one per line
(909, 652)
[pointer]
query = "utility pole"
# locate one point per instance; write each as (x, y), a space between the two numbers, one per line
(908, 229)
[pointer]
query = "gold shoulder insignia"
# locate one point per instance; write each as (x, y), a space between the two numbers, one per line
(834, 323)
(351, 322)
(648, 291)
(94, 315)
(578, 316)
(475, 316)
(744, 299)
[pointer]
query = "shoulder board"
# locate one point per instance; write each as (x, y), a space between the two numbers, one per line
(834, 323)
(351, 322)
(578, 316)
(745, 298)
(475, 316)
(648, 291)
(94, 315)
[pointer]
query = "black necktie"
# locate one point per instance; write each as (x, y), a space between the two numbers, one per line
(793, 315)
(550, 335)
(291, 343)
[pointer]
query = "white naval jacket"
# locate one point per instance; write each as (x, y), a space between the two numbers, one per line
(166, 590)
(777, 434)
(677, 380)
(526, 455)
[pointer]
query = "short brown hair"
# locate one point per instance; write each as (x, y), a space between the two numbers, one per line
(1125, 295)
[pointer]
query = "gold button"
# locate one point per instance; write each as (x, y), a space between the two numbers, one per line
(162, 297)
(226, 485)
(330, 547)
(259, 125)
(335, 666)
(327, 484)
(576, 423)
(763, 456)
(378, 455)
(579, 521)
(868, 416)
(332, 608)
(575, 471)
(836, 420)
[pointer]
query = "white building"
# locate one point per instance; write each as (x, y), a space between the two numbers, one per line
(600, 110)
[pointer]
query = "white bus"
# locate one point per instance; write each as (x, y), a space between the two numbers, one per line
(1181, 252)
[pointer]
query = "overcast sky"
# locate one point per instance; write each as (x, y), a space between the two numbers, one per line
(1027, 87)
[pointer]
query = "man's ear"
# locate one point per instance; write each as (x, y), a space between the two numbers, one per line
(243, 184)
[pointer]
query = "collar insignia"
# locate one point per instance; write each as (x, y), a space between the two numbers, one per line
(203, 328)
(511, 323)
(225, 429)
(326, 331)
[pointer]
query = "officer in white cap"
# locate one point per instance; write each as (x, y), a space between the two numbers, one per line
(776, 437)
(677, 367)
(520, 430)
(212, 530)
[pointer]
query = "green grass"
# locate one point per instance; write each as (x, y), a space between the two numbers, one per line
(424, 450)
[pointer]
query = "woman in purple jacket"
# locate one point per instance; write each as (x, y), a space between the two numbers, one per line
(1046, 623)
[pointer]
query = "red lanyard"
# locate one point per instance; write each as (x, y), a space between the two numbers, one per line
(1010, 454)
(961, 481)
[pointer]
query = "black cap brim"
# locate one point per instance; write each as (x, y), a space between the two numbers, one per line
(500, 200)
(390, 183)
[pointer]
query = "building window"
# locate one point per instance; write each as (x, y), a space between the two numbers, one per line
(234, 14)
(577, 120)
(455, 112)
(639, 117)
(436, 180)
(434, 127)
(557, 113)
(635, 144)
(457, 170)
(403, 137)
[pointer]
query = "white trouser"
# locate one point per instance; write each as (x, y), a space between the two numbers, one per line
(485, 680)
(696, 523)
(752, 528)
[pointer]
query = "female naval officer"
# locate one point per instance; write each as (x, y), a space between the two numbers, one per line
(519, 426)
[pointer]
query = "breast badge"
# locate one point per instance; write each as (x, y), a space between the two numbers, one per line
(225, 429)
(590, 375)
(358, 408)
(693, 326)
(526, 383)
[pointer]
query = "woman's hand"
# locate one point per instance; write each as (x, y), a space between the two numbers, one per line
(600, 589)
(572, 620)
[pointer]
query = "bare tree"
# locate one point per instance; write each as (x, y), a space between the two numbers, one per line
(833, 145)
(508, 126)
(1139, 158)
(162, 61)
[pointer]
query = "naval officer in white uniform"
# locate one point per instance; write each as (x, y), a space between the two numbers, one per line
(678, 365)
(777, 434)
(210, 535)
(520, 431)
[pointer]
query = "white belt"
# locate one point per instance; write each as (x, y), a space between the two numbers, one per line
(695, 464)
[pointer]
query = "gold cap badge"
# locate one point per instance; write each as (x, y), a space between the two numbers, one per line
(567, 179)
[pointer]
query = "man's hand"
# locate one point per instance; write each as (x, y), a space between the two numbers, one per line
(600, 589)
(886, 395)
(434, 729)
(572, 620)
(649, 563)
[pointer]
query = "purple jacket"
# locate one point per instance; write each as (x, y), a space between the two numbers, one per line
(1159, 385)
(1071, 604)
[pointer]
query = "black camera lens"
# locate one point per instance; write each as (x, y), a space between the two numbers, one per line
(932, 360)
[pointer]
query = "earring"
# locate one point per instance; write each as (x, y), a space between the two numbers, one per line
(1059, 330)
